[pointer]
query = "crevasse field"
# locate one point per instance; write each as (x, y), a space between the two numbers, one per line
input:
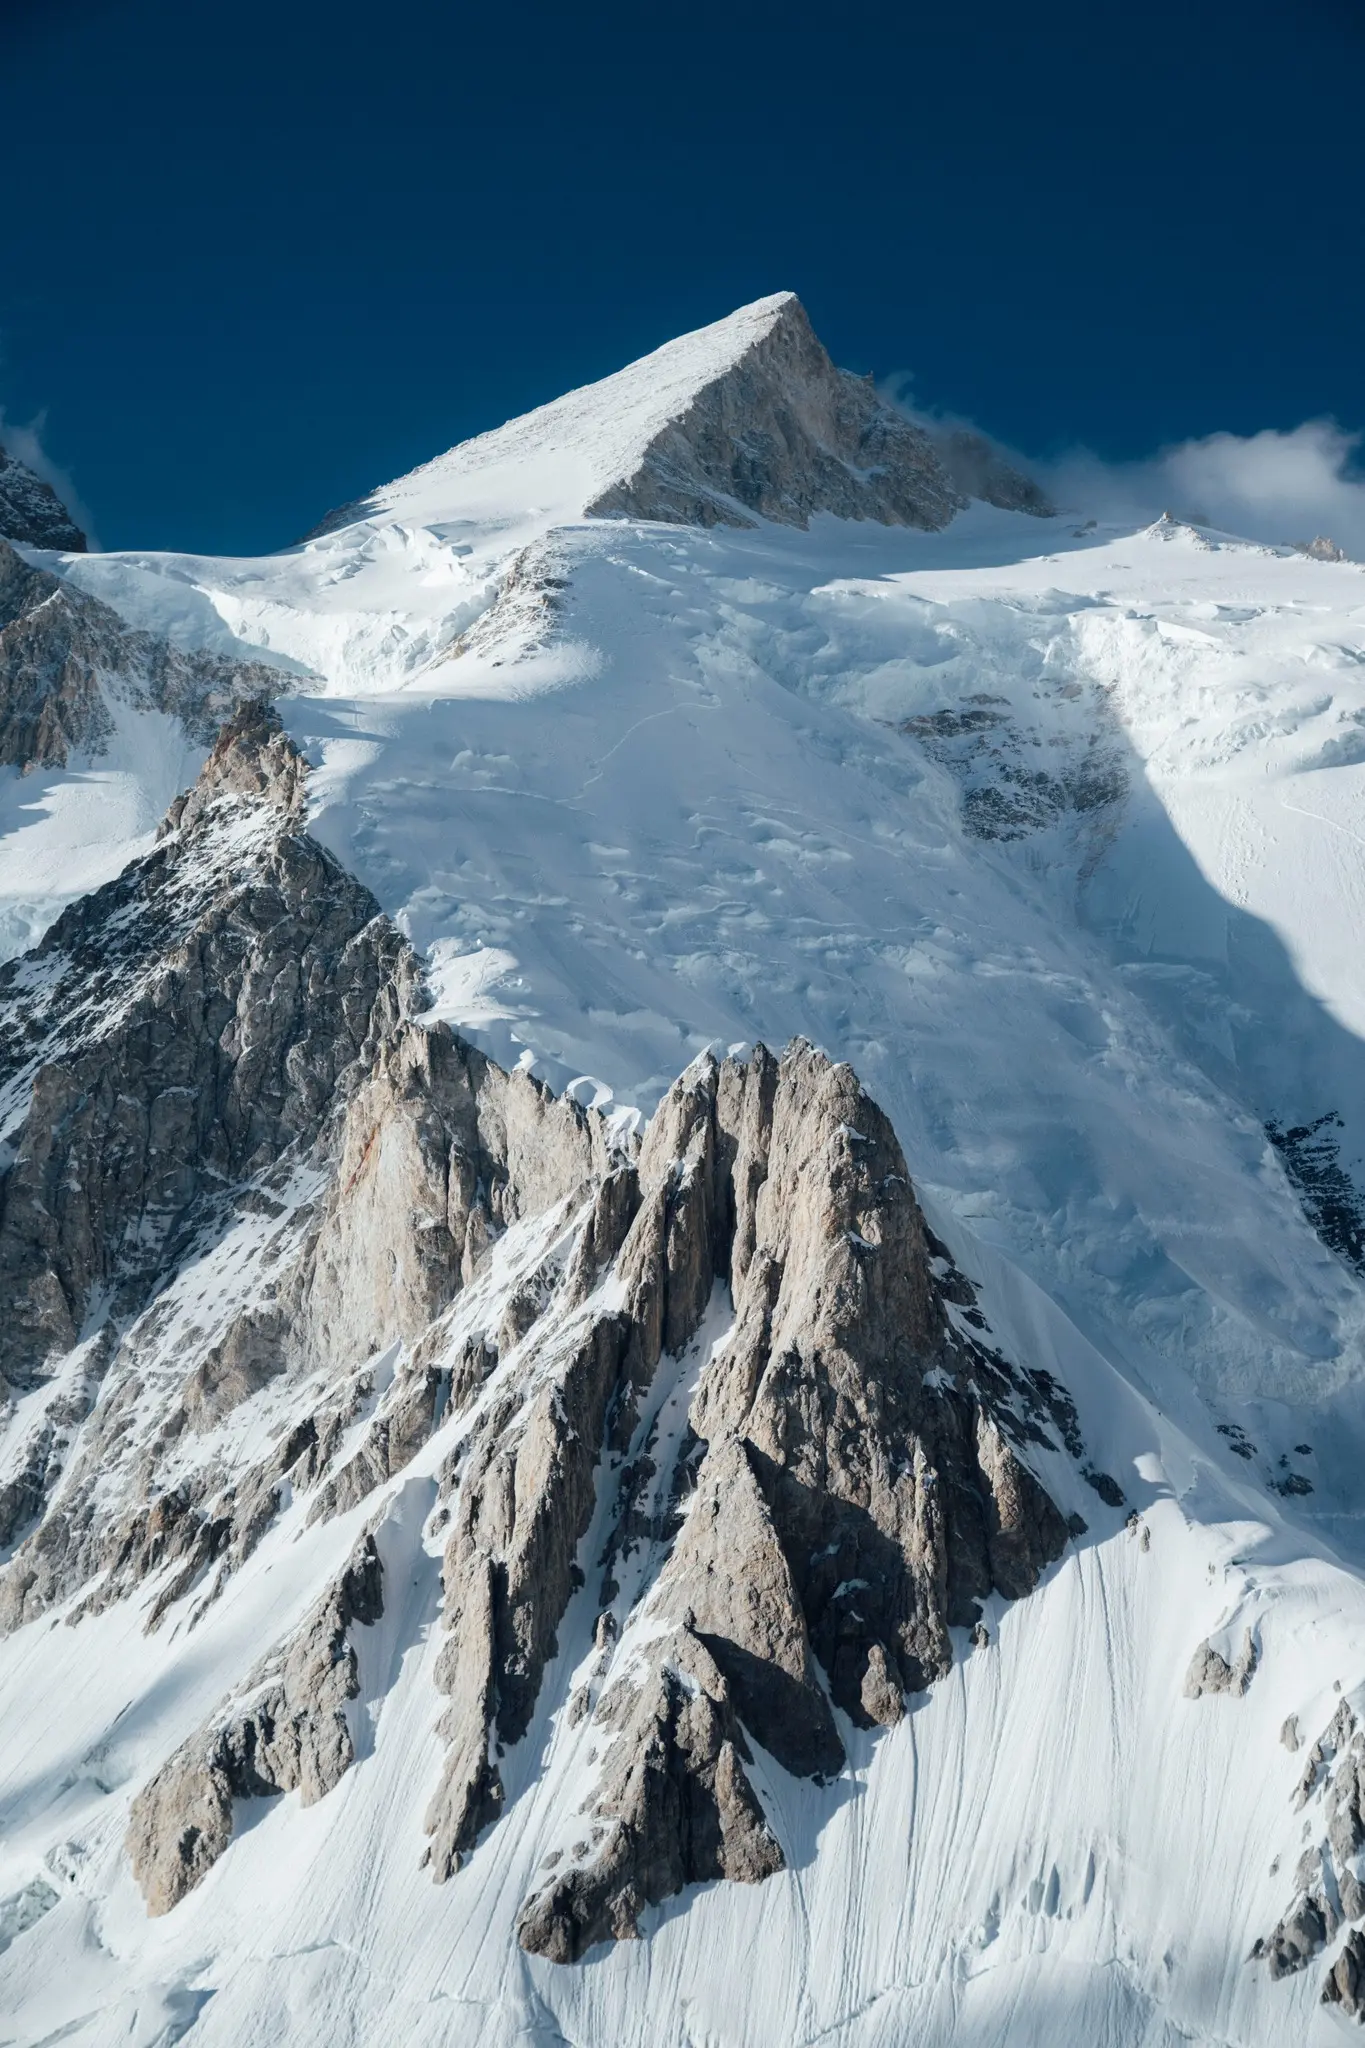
(1056, 831)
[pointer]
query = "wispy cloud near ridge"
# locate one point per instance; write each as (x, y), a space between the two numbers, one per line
(1273, 486)
(1276, 486)
(25, 443)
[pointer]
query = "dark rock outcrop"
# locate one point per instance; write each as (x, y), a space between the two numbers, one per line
(784, 434)
(63, 654)
(1210, 1671)
(286, 1731)
(1300, 1935)
(993, 748)
(857, 1494)
(31, 511)
(1328, 1887)
(680, 1810)
(178, 1032)
(1345, 1986)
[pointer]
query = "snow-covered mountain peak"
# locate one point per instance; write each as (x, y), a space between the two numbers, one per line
(744, 423)
(747, 415)
(926, 1504)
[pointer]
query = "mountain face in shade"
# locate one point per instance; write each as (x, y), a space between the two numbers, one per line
(682, 1221)
(783, 434)
(31, 511)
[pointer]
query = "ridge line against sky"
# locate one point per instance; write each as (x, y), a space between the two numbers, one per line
(249, 274)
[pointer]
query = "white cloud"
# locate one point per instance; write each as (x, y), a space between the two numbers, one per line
(1271, 486)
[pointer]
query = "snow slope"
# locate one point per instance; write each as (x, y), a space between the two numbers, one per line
(66, 831)
(1057, 832)
(552, 463)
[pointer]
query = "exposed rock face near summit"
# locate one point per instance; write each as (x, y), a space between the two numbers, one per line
(271, 1242)
(31, 511)
(63, 653)
(784, 433)
(742, 420)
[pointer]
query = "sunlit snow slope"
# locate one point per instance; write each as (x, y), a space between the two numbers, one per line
(1057, 833)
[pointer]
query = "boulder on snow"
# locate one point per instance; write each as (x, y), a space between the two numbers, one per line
(1210, 1672)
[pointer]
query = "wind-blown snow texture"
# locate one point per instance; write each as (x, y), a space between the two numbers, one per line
(1056, 832)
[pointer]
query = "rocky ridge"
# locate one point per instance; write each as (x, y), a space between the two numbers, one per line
(784, 434)
(855, 1493)
(31, 511)
(64, 654)
(272, 1240)
(285, 1731)
(1329, 1876)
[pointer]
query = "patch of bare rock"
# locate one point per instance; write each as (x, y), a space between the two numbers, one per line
(784, 434)
(286, 1731)
(32, 512)
(1329, 1884)
(65, 656)
(1210, 1671)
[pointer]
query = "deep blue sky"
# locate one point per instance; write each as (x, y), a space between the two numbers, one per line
(258, 255)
